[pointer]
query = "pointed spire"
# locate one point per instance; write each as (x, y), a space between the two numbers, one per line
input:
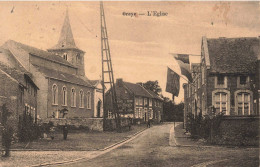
(66, 40)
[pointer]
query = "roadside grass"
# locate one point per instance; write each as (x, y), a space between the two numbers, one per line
(79, 140)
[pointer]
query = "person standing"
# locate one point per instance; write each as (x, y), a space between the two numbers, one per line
(65, 131)
(148, 123)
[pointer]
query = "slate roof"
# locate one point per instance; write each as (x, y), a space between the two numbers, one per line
(15, 74)
(233, 55)
(154, 95)
(66, 40)
(84, 81)
(137, 89)
(10, 44)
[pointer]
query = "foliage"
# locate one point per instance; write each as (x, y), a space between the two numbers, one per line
(28, 130)
(7, 130)
(153, 86)
(172, 111)
(206, 127)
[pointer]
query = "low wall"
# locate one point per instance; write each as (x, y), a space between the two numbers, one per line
(94, 124)
(238, 130)
(110, 124)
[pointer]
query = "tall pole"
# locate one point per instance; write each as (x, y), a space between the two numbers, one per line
(106, 60)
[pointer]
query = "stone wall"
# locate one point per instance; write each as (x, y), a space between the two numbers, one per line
(110, 124)
(93, 124)
(238, 130)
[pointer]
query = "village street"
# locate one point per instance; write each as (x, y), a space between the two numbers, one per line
(157, 147)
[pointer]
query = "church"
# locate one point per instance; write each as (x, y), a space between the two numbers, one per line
(59, 74)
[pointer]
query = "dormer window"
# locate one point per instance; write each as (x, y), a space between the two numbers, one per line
(65, 56)
(243, 80)
(220, 80)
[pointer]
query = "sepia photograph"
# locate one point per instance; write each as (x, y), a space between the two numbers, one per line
(129, 83)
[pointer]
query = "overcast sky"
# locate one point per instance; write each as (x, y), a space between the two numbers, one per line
(140, 46)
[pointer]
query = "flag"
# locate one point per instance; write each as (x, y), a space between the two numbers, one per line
(173, 82)
(184, 63)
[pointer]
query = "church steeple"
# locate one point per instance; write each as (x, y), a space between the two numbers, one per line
(66, 40)
(67, 48)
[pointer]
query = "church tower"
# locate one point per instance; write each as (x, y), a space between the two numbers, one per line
(67, 49)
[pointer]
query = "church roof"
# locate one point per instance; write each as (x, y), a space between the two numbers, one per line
(66, 40)
(84, 81)
(13, 45)
(233, 55)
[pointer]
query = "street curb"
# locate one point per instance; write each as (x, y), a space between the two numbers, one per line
(102, 149)
(75, 160)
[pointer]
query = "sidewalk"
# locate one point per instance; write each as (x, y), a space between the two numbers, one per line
(44, 158)
(183, 139)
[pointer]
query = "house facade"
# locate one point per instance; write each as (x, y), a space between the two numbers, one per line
(226, 78)
(227, 81)
(134, 101)
(60, 76)
(18, 92)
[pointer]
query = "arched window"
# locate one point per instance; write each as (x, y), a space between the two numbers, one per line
(65, 56)
(81, 99)
(64, 96)
(73, 97)
(244, 102)
(88, 100)
(54, 94)
(221, 101)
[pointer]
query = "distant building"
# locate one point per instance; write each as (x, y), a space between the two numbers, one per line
(135, 101)
(60, 75)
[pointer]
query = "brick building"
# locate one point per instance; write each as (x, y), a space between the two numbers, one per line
(59, 73)
(226, 78)
(136, 102)
(18, 92)
(227, 81)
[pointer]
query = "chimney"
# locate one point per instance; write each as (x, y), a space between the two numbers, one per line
(140, 83)
(119, 82)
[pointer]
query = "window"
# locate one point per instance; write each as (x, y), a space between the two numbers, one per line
(65, 56)
(221, 102)
(243, 103)
(73, 97)
(150, 102)
(88, 100)
(220, 80)
(136, 112)
(136, 100)
(54, 94)
(145, 101)
(64, 96)
(151, 114)
(81, 99)
(140, 101)
(243, 80)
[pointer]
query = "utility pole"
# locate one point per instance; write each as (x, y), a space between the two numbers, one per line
(107, 71)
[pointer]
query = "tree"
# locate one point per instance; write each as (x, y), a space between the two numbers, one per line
(7, 130)
(153, 86)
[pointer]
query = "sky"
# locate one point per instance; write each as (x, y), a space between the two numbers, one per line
(140, 46)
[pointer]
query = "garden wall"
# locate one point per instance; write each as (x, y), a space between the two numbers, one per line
(238, 130)
(110, 124)
(94, 124)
